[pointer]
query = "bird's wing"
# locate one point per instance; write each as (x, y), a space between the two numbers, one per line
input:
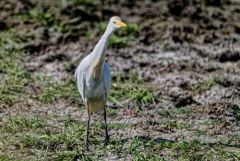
(76, 73)
(79, 76)
(107, 77)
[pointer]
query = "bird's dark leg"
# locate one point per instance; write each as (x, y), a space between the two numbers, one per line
(87, 133)
(106, 128)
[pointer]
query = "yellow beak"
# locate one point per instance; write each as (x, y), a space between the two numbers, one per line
(121, 24)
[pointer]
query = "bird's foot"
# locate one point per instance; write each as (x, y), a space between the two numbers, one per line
(106, 141)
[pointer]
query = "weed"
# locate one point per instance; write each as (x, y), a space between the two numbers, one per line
(201, 132)
(112, 112)
(130, 29)
(44, 18)
(30, 141)
(204, 86)
(14, 76)
(214, 122)
(120, 38)
(4, 158)
(54, 91)
(84, 2)
(117, 41)
(20, 122)
(137, 93)
(236, 112)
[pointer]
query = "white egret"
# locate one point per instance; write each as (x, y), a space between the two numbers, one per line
(94, 78)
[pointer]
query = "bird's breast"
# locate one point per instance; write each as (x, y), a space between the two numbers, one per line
(95, 90)
(96, 96)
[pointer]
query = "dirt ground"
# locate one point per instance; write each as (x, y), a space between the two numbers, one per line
(176, 79)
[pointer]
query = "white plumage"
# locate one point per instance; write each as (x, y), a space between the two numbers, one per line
(94, 78)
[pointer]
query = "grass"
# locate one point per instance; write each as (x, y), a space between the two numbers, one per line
(136, 92)
(84, 2)
(177, 112)
(174, 124)
(14, 76)
(124, 35)
(4, 158)
(67, 144)
(20, 122)
(46, 19)
(183, 150)
(132, 89)
(236, 112)
(211, 122)
(54, 91)
(201, 132)
(205, 85)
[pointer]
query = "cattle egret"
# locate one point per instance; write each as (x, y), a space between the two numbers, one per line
(94, 78)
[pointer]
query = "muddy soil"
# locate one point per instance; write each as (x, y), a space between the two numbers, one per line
(181, 43)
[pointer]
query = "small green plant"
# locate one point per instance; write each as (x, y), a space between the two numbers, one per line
(120, 38)
(131, 89)
(201, 132)
(73, 155)
(44, 18)
(141, 94)
(84, 2)
(130, 29)
(117, 41)
(4, 157)
(31, 141)
(54, 91)
(170, 124)
(236, 112)
(20, 122)
(212, 122)
(205, 85)
(15, 77)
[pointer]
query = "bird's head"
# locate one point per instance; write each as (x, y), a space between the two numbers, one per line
(116, 22)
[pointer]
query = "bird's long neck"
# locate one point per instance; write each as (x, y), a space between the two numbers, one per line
(97, 57)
